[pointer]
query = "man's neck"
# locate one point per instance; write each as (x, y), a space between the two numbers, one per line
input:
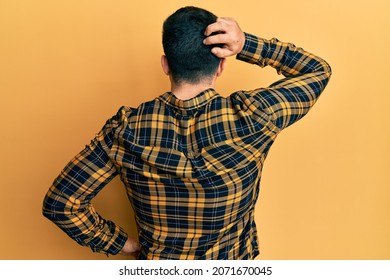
(185, 91)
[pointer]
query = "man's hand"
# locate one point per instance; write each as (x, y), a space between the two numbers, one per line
(131, 247)
(228, 33)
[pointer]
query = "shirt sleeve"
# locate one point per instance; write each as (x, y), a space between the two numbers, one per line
(306, 75)
(68, 201)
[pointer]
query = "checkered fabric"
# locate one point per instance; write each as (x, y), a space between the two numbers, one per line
(191, 168)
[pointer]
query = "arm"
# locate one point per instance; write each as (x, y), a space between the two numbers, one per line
(67, 203)
(288, 99)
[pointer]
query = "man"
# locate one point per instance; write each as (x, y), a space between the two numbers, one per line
(191, 160)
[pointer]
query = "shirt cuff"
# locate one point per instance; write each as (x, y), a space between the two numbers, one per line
(112, 246)
(252, 50)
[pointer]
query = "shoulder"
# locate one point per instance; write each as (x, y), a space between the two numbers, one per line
(126, 114)
(252, 103)
(247, 98)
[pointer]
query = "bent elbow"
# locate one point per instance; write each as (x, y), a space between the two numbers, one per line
(328, 70)
(47, 210)
(52, 207)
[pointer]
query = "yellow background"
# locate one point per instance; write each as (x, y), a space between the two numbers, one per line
(67, 66)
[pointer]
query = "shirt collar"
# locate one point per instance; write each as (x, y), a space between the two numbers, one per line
(190, 104)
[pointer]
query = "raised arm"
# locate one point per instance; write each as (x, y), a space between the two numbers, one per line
(288, 99)
(306, 76)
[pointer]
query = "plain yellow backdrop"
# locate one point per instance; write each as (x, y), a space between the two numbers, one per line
(67, 66)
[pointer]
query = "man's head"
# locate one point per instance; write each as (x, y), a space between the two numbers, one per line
(189, 60)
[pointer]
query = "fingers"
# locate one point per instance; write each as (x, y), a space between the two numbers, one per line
(222, 52)
(220, 25)
(225, 32)
(216, 39)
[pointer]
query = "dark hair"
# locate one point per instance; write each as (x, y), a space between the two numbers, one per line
(188, 58)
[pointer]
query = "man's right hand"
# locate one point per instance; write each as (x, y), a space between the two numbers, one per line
(229, 34)
(131, 247)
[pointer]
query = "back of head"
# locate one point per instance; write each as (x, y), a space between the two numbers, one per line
(188, 58)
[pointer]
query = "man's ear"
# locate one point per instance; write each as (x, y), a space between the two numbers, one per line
(221, 67)
(165, 65)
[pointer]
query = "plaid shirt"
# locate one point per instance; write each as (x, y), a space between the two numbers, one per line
(191, 168)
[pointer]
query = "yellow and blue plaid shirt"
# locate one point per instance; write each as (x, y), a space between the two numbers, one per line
(191, 168)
